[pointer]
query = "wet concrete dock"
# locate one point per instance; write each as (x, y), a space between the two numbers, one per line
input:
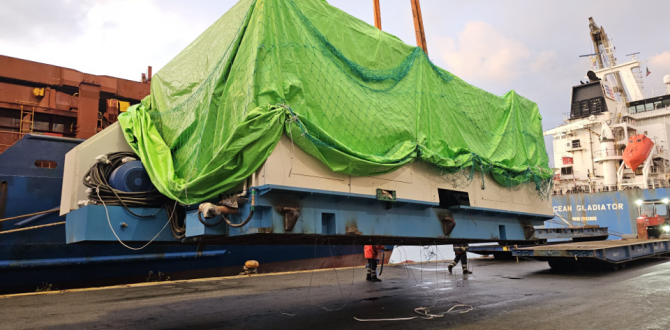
(503, 294)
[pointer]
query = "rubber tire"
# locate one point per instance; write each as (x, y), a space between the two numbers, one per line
(502, 255)
(557, 265)
(563, 264)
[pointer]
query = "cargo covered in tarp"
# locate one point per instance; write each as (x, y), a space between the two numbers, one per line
(356, 98)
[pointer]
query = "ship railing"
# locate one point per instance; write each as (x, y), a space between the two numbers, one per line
(630, 122)
(608, 152)
(658, 183)
(609, 188)
(566, 117)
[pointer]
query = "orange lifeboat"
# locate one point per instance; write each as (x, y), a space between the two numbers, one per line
(638, 149)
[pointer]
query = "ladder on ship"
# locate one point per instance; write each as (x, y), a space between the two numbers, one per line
(26, 126)
(27, 118)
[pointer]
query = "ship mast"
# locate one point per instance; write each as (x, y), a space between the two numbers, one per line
(606, 59)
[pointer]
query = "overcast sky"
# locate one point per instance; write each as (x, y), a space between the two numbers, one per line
(530, 46)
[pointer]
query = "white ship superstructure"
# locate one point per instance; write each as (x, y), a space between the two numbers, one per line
(606, 112)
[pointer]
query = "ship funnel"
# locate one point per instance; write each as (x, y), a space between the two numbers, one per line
(666, 81)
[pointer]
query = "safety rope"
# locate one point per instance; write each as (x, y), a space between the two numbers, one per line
(28, 215)
(424, 313)
(33, 227)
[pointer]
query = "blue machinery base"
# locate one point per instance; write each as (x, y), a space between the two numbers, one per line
(324, 217)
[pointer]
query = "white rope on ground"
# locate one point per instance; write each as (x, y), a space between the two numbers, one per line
(424, 313)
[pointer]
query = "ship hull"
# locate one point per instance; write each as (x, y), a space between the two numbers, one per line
(40, 259)
(616, 209)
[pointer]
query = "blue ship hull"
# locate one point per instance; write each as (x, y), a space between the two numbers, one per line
(616, 209)
(40, 257)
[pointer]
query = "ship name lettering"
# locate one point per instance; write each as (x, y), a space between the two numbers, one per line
(594, 207)
(562, 208)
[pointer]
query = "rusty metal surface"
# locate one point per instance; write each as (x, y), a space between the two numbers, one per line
(528, 231)
(593, 245)
(290, 216)
(448, 224)
(575, 233)
(55, 76)
(38, 98)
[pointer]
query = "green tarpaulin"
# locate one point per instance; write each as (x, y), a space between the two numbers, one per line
(358, 99)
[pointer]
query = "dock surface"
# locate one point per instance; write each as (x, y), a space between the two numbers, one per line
(503, 294)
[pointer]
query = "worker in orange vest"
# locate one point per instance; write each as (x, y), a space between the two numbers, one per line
(372, 253)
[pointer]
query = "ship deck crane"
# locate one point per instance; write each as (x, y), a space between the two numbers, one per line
(628, 82)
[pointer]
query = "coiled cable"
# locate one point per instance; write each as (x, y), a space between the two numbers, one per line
(97, 179)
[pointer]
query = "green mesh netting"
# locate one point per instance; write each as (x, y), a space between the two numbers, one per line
(358, 99)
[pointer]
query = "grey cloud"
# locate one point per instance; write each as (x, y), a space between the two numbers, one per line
(30, 21)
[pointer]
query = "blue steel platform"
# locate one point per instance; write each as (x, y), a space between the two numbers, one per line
(323, 217)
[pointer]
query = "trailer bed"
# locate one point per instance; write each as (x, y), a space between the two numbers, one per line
(581, 234)
(618, 251)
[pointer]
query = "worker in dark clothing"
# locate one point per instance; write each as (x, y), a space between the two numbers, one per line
(372, 253)
(462, 256)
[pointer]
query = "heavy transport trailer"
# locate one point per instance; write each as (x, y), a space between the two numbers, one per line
(588, 247)
(575, 234)
(609, 254)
